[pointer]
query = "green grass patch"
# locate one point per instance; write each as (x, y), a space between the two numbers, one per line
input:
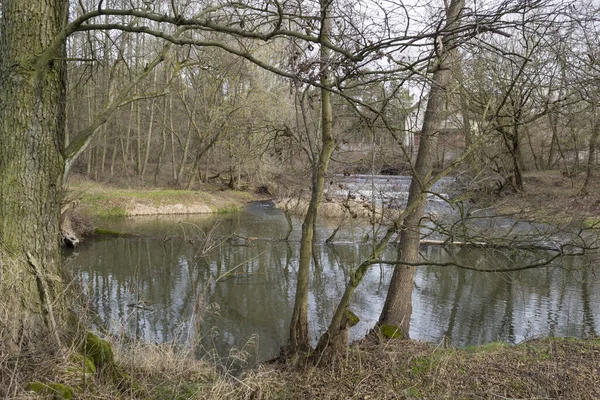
(106, 202)
(486, 348)
(111, 212)
(421, 365)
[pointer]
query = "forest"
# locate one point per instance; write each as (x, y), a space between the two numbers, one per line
(391, 127)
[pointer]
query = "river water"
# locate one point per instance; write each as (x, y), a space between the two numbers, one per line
(182, 281)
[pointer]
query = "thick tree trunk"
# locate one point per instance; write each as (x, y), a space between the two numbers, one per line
(299, 339)
(32, 126)
(398, 305)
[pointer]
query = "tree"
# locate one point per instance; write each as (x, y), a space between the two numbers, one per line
(299, 338)
(32, 118)
(398, 307)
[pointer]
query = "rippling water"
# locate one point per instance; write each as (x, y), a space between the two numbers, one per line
(169, 286)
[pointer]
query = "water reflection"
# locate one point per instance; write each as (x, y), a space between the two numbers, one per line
(163, 288)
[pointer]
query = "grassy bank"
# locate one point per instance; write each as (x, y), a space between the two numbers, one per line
(99, 201)
(548, 369)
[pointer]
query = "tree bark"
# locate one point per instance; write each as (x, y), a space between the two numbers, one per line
(32, 128)
(591, 155)
(398, 304)
(299, 339)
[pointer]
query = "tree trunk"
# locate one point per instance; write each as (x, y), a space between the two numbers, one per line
(163, 136)
(591, 156)
(516, 159)
(299, 339)
(32, 115)
(125, 143)
(149, 137)
(172, 130)
(398, 304)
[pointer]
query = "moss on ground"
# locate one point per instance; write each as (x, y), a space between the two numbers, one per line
(389, 331)
(54, 391)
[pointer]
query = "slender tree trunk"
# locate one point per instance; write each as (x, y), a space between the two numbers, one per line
(299, 339)
(125, 143)
(186, 149)
(171, 129)
(149, 137)
(113, 159)
(516, 158)
(163, 137)
(398, 304)
(32, 128)
(532, 149)
(104, 149)
(591, 155)
(90, 161)
(138, 128)
(553, 119)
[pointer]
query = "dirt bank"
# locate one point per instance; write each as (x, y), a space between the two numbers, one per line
(98, 201)
(551, 196)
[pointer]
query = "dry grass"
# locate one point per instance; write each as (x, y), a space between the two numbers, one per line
(552, 195)
(540, 369)
(545, 369)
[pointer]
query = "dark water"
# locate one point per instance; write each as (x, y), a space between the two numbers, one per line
(182, 282)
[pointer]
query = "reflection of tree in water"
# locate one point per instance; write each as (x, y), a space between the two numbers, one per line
(246, 290)
(589, 322)
(473, 307)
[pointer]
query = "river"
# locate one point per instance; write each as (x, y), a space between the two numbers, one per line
(181, 281)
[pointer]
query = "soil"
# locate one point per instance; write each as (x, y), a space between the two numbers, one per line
(551, 195)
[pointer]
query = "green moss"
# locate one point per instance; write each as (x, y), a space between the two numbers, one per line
(352, 318)
(390, 331)
(55, 391)
(86, 363)
(98, 350)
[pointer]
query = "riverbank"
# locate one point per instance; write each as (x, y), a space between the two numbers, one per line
(551, 196)
(547, 368)
(100, 201)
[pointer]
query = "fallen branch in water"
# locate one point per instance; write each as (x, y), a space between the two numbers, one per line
(432, 242)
